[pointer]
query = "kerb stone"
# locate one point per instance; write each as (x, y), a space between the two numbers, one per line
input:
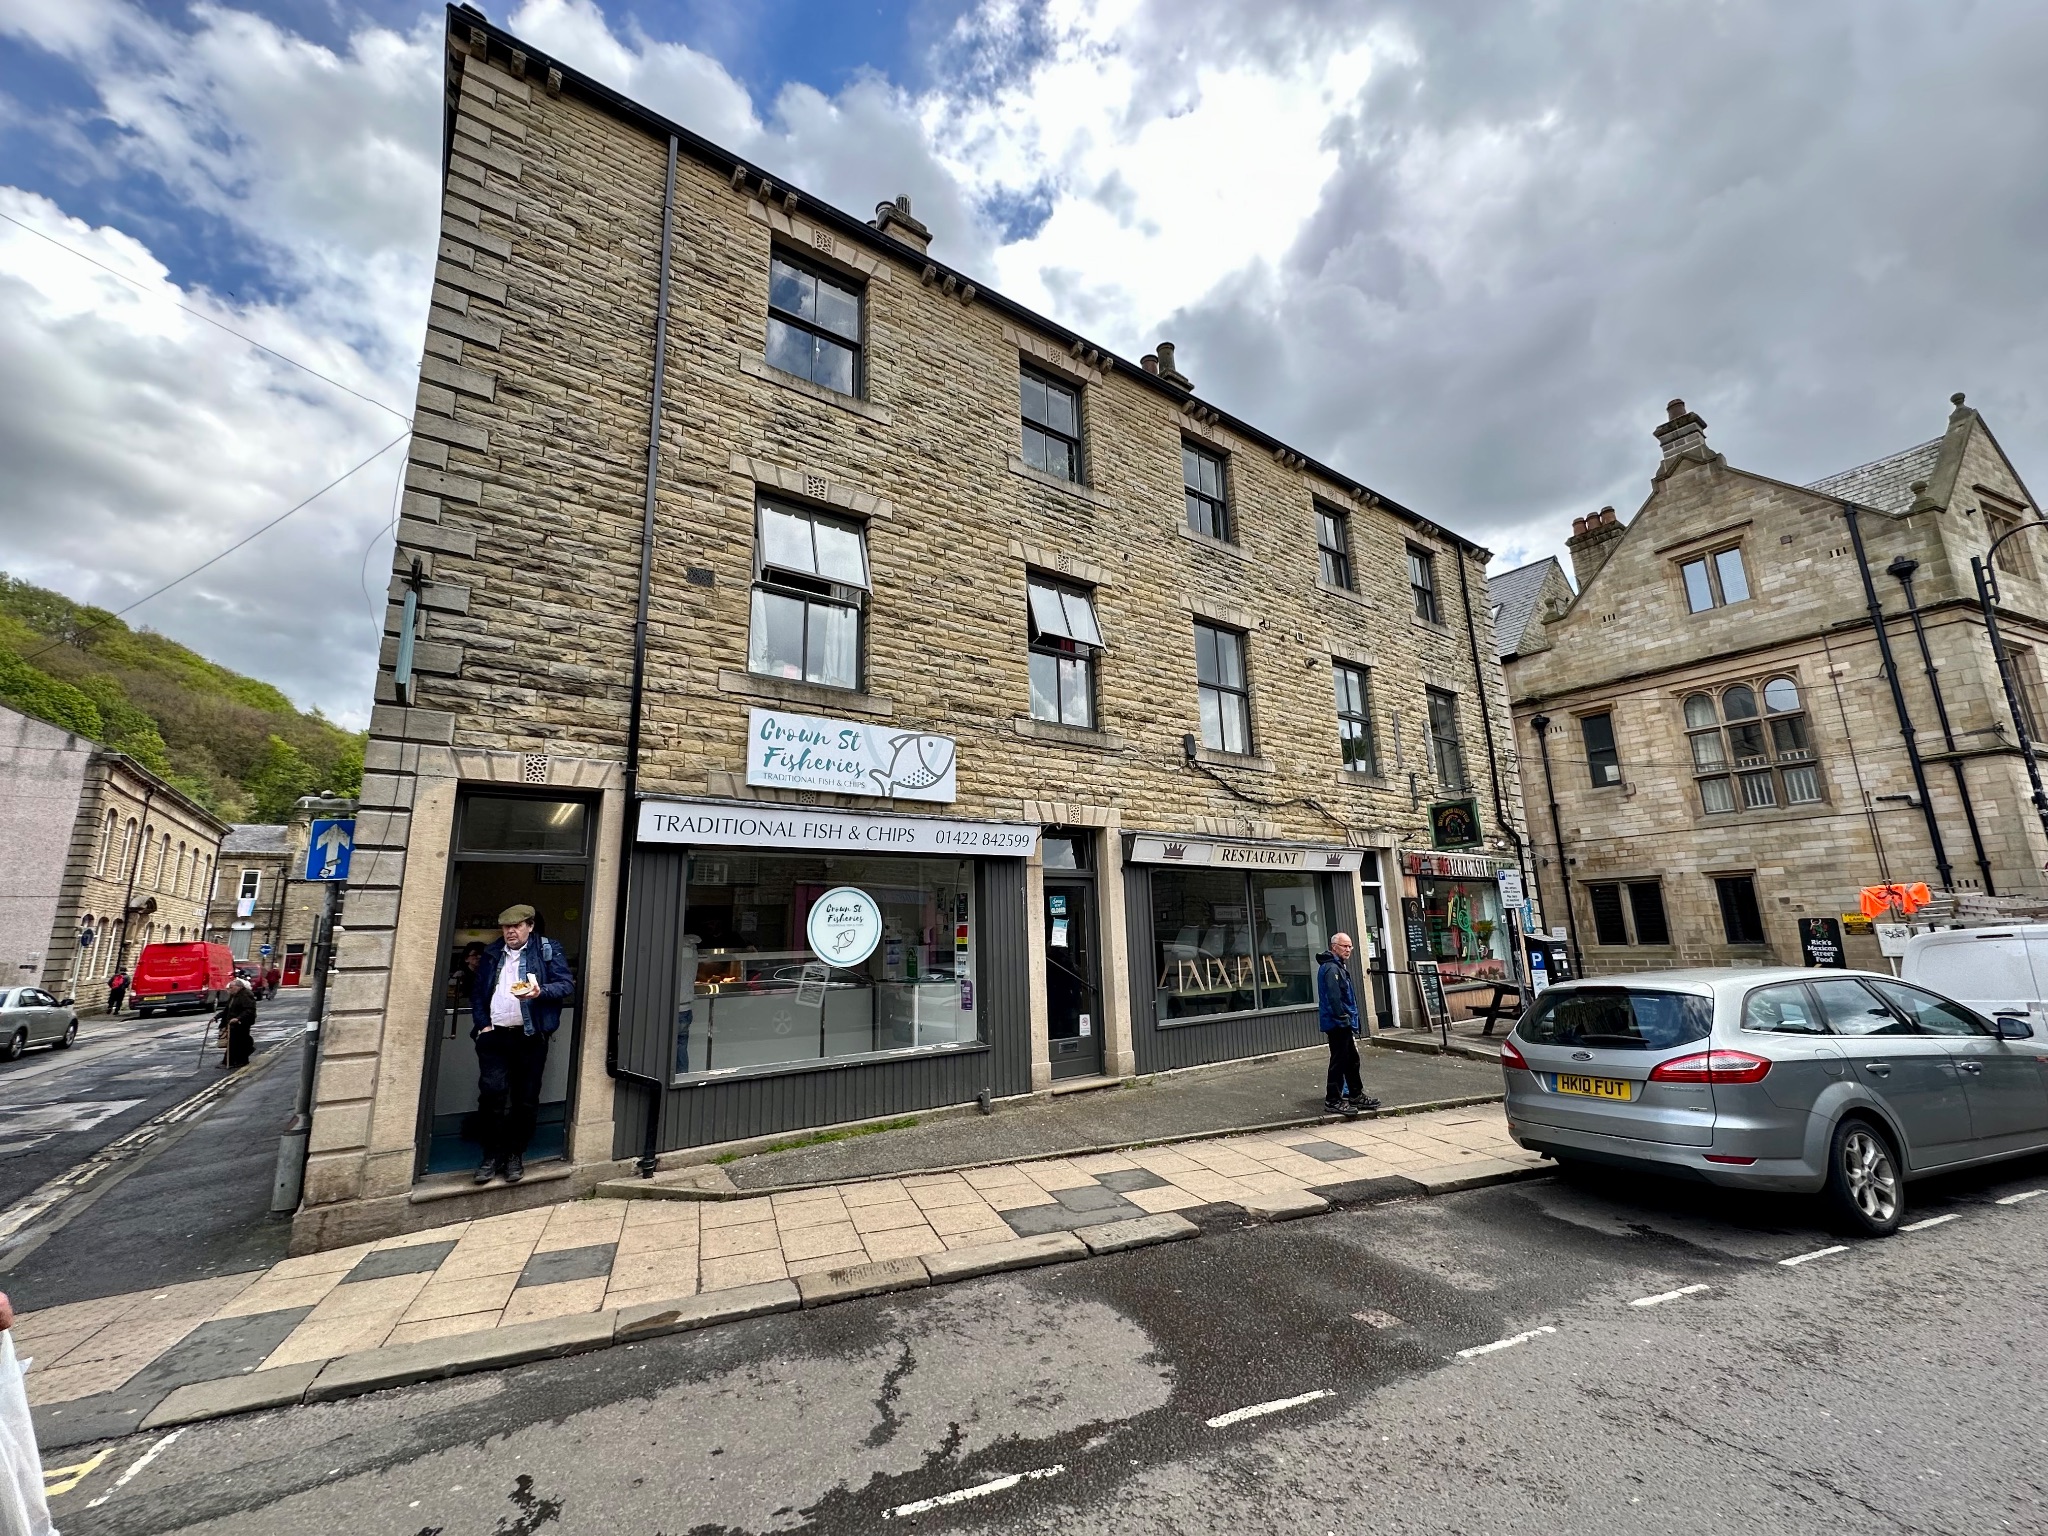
(398, 1366)
(829, 1285)
(994, 1258)
(279, 1387)
(651, 1319)
(1138, 1232)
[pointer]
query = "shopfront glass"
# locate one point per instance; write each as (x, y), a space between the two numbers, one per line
(1232, 941)
(1468, 937)
(765, 998)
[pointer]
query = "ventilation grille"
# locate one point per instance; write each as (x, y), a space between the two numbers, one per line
(533, 767)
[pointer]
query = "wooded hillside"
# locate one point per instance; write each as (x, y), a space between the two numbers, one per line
(237, 746)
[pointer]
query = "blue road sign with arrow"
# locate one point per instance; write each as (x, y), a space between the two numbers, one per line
(328, 849)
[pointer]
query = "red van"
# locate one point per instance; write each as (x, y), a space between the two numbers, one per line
(175, 976)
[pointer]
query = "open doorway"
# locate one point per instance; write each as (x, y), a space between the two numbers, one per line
(509, 850)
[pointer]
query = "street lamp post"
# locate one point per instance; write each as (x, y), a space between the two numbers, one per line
(1987, 593)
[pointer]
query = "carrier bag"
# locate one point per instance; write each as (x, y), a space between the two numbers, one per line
(23, 1510)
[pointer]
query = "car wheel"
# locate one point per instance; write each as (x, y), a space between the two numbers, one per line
(17, 1045)
(1864, 1183)
(70, 1036)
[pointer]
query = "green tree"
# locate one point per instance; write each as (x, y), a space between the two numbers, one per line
(276, 780)
(34, 692)
(127, 729)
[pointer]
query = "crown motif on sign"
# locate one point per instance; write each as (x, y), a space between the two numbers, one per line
(1176, 850)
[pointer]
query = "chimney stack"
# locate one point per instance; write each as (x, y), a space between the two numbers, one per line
(1683, 432)
(1167, 371)
(1592, 541)
(894, 220)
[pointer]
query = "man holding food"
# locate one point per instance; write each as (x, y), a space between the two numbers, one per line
(516, 1003)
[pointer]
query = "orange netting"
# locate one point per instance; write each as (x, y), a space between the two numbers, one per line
(1877, 900)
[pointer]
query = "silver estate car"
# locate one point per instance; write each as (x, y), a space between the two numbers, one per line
(1798, 1080)
(30, 1016)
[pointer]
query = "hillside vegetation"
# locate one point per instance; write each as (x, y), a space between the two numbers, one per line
(236, 745)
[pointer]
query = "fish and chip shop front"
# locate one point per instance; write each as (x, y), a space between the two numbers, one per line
(789, 967)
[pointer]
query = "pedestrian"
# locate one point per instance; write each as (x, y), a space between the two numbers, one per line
(271, 978)
(515, 1005)
(117, 988)
(1337, 1012)
(238, 1015)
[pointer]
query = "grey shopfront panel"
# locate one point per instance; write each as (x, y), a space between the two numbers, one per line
(1164, 1046)
(825, 1093)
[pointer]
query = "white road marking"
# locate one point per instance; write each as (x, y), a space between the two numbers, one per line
(1659, 1300)
(1521, 1338)
(1818, 1253)
(978, 1491)
(140, 1462)
(2025, 1194)
(1260, 1410)
(1931, 1221)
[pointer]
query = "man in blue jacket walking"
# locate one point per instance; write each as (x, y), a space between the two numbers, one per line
(1337, 1012)
(515, 1003)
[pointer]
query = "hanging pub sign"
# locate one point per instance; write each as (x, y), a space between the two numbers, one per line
(1820, 940)
(1454, 824)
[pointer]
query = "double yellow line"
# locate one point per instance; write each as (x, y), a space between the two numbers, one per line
(58, 1480)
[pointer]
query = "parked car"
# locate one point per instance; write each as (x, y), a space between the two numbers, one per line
(1798, 1080)
(170, 977)
(30, 1016)
(1991, 970)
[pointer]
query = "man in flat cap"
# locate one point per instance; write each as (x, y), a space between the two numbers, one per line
(516, 1003)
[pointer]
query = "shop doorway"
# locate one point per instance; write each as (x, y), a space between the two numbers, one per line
(509, 850)
(1372, 929)
(1073, 981)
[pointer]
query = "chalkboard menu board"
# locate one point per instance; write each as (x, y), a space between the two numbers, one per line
(1431, 984)
(1418, 930)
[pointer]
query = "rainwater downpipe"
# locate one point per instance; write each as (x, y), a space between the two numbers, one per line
(629, 817)
(1500, 809)
(1541, 726)
(1902, 570)
(1891, 675)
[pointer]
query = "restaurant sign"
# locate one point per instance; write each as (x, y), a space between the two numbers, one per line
(1453, 866)
(1455, 824)
(1189, 850)
(845, 757)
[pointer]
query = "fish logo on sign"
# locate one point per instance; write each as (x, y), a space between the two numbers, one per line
(929, 759)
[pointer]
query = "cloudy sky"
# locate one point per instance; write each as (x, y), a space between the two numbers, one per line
(1464, 251)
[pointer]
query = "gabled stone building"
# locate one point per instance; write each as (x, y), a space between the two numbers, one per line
(888, 698)
(1715, 744)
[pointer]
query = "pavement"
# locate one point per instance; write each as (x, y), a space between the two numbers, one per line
(1590, 1353)
(583, 1274)
(1463, 1037)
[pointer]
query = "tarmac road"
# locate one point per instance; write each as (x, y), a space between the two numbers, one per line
(1883, 1387)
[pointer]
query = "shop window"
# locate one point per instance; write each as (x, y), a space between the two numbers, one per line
(1751, 748)
(1422, 584)
(1052, 424)
(814, 328)
(1223, 694)
(1465, 927)
(1603, 761)
(1231, 941)
(1065, 641)
(764, 998)
(1742, 922)
(512, 824)
(1208, 508)
(1714, 581)
(1354, 718)
(1333, 546)
(1628, 912)
(810, 589)
(1446, 751)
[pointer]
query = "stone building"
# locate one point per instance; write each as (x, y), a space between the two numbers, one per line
(1715, 743)
(102, 857)
(264, 908)
(1106, 707)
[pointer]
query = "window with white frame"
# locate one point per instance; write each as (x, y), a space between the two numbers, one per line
(810, 591)
(1751, 749)
(1065, 640)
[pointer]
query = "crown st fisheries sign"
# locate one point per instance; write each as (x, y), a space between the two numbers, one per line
(845, 757)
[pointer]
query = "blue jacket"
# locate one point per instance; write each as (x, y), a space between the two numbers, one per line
(1336, 1004)
(541, 959)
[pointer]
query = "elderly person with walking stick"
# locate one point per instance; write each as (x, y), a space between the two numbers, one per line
(238, 1014)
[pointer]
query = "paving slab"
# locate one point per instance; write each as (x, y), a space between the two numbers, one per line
(648, 1320)
(1141, 1232)
(828, 1285)
(401, 1365)
(1284, 1205)
(278, 1387)
(996, 1258)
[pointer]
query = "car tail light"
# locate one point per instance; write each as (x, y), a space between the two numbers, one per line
(1510, 1057)
(1712, 1067)
(1722, 1157)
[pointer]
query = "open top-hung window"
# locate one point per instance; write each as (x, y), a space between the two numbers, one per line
(810, 588)
(1064, 642)
(814, 327)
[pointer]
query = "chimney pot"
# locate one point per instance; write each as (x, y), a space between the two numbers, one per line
(1168, 371)
(1593, 540)
(1673, 409)
(1149, 362)
(1956, 398)
(1578, 526)
(894, 220)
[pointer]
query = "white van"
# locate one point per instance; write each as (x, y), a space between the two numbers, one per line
(1993, 970)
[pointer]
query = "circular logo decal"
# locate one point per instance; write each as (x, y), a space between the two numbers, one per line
(845, 926)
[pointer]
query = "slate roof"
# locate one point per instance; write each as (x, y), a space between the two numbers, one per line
(1886, 484)
(1514, 595)
(256, 837)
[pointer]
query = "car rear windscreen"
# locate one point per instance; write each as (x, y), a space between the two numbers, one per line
(1618, 1019)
